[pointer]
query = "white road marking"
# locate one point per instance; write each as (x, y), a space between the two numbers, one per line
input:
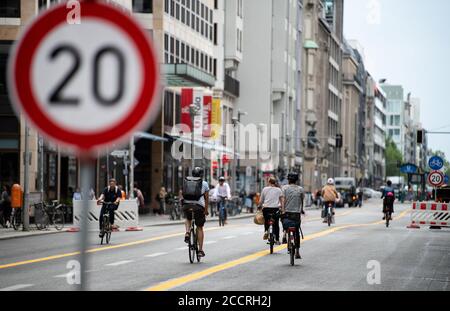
(15, 287)
(155, 255)
(229, 237)
(210, 242)
(119, 263)
(181, 248)
(71, 273)
(248, 233)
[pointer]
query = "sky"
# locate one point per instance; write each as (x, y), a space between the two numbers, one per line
(407, 42)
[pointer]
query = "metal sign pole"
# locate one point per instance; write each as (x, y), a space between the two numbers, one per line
(87, 176)
(26, 176)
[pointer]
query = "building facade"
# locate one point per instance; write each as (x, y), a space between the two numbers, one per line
(271, 75)
(323, 85)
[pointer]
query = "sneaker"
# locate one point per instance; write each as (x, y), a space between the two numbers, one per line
(101, 234)
(187, 237)
(201, 254)
(277, 243)
(297, 254)
(266, 235)
(384, 218)
(325, 221)
(284, 240)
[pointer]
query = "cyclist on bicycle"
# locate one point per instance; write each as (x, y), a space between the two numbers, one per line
(388, 197)
(222, 193)
(270, 202)
(292, 208)
(196, 198)
(330, 196)
(111, 194)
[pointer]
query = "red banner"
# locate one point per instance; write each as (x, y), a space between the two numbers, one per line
(207, 110)
(187, 97)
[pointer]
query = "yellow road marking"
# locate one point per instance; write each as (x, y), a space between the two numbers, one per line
(164, 286)
(100, 249)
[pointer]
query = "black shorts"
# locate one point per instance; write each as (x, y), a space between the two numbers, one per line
(199, 214)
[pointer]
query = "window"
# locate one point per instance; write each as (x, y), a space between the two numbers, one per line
(143, 6)
(166, 6)
(10, 8)
(183, 48)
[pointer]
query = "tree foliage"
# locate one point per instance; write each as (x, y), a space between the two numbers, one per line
(393, 158)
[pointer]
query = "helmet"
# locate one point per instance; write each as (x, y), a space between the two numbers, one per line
(293, 177)
(222, 178)
(197, 172)
(330, 181)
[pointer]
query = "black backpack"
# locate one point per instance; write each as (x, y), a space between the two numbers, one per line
(192, 188)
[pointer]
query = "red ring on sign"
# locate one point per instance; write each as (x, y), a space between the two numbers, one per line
(22, 86)
(436, 173)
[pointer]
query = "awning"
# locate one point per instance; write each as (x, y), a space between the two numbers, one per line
(208, 145)
(184, 75)
(150, 136)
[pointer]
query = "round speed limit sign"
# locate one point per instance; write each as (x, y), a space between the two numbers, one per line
(85, 85)
(436, 178)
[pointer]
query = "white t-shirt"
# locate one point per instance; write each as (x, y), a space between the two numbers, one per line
(270, 197)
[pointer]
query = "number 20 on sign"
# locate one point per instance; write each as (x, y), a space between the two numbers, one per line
(86, 85)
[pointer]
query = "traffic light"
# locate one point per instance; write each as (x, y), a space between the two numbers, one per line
(312, 139)
(420, 134)
(339, 141)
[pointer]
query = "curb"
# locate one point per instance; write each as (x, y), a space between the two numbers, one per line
(30, 234)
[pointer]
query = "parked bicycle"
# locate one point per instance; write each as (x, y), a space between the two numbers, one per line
(49, 214)
(193, 241)
(175, 213)
(16, 218)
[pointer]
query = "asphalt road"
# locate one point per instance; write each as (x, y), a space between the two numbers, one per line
(336, 258)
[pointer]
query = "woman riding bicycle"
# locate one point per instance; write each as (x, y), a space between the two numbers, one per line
(388, 197)
(271, 201)
(292, 209)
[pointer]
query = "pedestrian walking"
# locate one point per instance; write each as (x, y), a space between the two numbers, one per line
(77, 195)
(5, 204)
(162, 195)
(139, 197)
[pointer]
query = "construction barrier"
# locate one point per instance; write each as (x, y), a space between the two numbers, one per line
(126, 216)
(430, 214)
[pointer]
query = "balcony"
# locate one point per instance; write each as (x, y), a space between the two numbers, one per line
(232, 86)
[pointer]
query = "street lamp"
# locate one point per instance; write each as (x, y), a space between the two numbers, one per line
(260, 129)
(193, 111)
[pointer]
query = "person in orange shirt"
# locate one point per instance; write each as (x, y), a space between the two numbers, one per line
(124, 194)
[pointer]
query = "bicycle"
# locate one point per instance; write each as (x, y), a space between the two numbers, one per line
(271, 234)
(16, 218)
(221, 206)
(328, 213)
(193, 241)
(175, 211)
(52, 214)
(106, 225)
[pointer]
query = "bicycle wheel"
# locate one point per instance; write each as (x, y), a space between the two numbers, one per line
(271, 242)
(192, 240)
(222, 218)
(16, 219)
(329, 219)
(58, 219)
(388, 218)
(104, 229)
(41, 218)
(292, 248)
(108, 234)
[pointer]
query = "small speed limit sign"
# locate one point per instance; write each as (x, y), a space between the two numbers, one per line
(436, 178)
(85, 85)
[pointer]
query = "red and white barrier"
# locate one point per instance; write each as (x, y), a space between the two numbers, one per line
(430, 214)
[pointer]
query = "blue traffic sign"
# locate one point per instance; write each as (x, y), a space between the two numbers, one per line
(408, 169)
(436, 163)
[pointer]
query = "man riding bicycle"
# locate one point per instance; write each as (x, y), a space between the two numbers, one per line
(330, 196)
(111, 194)
(388, 197)
(292, 208)
(222, 193)
(196, 199)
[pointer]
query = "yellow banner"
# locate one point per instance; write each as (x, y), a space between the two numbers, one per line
(216, 118)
